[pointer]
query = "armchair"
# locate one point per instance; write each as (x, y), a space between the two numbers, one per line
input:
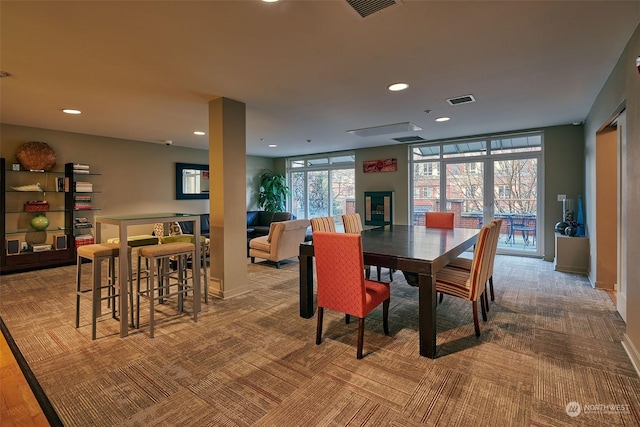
(282, 242)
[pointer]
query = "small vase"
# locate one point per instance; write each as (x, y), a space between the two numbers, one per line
(39, 222)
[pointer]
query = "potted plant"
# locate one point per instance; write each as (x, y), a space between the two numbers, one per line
(273, 191)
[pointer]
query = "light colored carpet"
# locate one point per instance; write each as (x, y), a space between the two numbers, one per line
(550, 340)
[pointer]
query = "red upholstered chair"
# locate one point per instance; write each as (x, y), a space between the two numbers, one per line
(439, 219)
(470, 284)
(323, 223)
(353, 224)
(341, 283)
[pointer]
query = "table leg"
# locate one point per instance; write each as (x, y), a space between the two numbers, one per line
(306, 286)
(427, 315)
(195, 265)
(123, 276)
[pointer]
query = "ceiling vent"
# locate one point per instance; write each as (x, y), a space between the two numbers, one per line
(461, 100)
(369, 7)
(410, 139)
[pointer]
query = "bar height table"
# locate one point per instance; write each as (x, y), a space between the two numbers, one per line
(123, 222)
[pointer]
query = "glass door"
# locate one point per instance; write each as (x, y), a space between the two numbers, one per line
(479, 179)
(516, 202)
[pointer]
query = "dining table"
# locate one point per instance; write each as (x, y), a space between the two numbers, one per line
(417, 251)
(123, 222)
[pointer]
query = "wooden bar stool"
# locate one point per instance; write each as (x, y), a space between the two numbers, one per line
(97, 253)
(162, 254)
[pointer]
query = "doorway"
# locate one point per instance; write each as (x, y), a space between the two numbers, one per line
(611, 220)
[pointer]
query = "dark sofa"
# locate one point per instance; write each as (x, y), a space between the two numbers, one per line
(187, 226)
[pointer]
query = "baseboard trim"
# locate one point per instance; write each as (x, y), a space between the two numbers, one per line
(632, 352)
(604, 285)
(41, 397)
(621, 302)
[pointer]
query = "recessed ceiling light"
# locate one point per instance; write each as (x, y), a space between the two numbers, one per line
(269, 1)
(398, 86)
(443, 119)
(71, 111)
(199, 132)
(272, 145)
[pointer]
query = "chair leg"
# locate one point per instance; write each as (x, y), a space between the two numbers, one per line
(367, 272)
(360, 338)
(347, 319)
(253, 259)
(385, 315)
(96, 295)
(476, 324)
(482, 307)
(491, 288)
(78, 276)
(486, 298)
(379, 271)
(441, 297)
(319, 327)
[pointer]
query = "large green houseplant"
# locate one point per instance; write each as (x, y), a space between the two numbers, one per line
(273, 192)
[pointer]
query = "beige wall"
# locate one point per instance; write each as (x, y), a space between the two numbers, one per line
(622, 88)
(135, 176)
(398, 181)
(563, 174)
(255, 166)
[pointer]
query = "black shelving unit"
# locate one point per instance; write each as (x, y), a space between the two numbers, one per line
(62, 203)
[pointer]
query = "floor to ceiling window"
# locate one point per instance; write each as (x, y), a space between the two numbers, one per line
(322, 185)
(480, 179)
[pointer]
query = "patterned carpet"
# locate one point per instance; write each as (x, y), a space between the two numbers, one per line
(550, 340)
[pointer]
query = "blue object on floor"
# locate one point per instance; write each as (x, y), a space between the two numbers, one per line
(580, 218)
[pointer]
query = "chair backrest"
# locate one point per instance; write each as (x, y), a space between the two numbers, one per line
(323, 223)
(174, 229)
(286, 237)
(352, 223)
(481, 261)
(340, 272)
(439, 219)
(494, 243)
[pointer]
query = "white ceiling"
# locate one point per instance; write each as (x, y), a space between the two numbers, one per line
(306, 70)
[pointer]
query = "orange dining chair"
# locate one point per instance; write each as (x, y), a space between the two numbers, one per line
(439, 219)
(470, 285)
(341, 283)
(353, 225)
(323, 223)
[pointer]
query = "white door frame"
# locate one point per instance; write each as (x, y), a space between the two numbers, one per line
(621, 285)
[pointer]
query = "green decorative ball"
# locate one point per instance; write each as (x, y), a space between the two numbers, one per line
(39, 222)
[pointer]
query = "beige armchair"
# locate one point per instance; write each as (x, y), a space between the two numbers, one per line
(282, 242)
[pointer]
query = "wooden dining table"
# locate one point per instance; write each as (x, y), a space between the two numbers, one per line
(415, 250)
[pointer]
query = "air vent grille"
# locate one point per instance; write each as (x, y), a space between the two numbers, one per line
(369, 7)
(461, 100)
(410, 139)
